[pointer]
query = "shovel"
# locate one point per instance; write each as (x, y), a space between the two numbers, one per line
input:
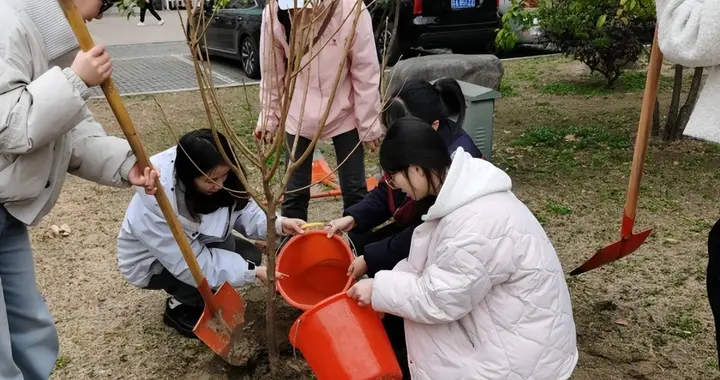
(629, 241)
(224, 311)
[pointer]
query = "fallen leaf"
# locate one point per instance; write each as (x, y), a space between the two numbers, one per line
(54, 231)
(65, 230)
(622, 322)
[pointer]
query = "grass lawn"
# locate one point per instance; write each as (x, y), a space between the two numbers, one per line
(565, 140)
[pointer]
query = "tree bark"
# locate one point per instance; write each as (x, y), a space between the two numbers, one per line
(672, 118)
(270, 312)
(690, 102)
(656, 120)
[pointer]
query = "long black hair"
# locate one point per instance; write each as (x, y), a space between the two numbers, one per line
(197, 155)
(412, 141)
(429, 102)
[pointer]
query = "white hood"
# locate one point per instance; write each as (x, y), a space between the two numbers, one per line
(467, 180)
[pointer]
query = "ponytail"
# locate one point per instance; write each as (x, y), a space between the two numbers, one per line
(452, 98)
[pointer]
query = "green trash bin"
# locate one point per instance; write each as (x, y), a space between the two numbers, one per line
(480, 115)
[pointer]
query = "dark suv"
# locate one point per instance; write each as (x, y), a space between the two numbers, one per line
(465, 26)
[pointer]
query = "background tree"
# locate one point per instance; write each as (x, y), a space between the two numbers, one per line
(603, 36)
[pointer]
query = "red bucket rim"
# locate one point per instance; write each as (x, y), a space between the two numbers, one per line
(307, 307)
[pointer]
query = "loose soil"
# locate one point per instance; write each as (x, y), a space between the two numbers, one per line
(568, 150)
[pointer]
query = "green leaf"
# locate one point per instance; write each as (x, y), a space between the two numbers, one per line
(601, 21)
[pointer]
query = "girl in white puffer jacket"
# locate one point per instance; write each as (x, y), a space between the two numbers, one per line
(482, 292)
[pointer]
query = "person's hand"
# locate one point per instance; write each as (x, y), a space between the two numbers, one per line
(362, 292)
(144, 178)
(292, 226)
(344, 224)
(358, 268)
(261, 274)
(373, 145)
(93, 66)
(266, 136)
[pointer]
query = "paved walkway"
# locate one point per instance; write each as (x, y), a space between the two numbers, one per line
(165, 67)
(155, 59)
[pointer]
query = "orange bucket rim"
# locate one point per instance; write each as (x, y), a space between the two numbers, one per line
(285, 296)
(312, 310)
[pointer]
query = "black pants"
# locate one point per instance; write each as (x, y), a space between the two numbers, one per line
(394, 325)
(351, 173)
(150, 8)
(188, 294)
(713, 279)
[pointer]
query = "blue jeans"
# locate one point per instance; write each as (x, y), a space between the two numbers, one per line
(28, 338)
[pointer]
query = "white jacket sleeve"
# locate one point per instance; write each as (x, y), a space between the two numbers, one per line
(218, 265)
(689, 31)
(34, 112)
(445, 292)
(252, 222)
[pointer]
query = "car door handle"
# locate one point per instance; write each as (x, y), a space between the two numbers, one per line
(239, 18)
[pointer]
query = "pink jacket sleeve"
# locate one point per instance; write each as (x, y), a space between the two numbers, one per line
(272, 71)
(365, 74)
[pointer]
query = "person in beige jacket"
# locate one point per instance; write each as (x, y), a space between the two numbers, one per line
(689, 35)
(46, 131)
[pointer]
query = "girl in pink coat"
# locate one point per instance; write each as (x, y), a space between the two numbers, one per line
(482, 293)
(354, 113)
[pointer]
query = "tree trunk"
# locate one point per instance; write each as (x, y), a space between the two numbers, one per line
(270, 312)
(656, 119)
(671, 125)
(689, 105)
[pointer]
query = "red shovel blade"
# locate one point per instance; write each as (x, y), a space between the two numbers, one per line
(613, 252)
(218, 333)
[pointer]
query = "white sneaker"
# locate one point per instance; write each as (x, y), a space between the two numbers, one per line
(161, 22)
(141, 24)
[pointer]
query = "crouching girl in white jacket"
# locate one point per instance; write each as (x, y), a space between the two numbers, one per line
(482, 292)
(210, 202)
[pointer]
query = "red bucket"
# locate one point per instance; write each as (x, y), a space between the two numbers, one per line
(342, 340)
(316, 267)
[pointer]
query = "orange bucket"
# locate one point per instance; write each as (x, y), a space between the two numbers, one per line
(316, 267)
(342, 340)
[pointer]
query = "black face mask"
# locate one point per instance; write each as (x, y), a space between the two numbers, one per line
(106, 4)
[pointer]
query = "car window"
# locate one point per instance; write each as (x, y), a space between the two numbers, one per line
(242, 4)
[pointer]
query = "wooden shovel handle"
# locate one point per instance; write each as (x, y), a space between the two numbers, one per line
(643, 136)
(121, 114)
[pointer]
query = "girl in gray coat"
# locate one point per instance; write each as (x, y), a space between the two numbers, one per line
(210, 202)
(46, 131)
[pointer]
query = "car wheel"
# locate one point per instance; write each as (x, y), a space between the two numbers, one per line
(250, 58)
(392, 51)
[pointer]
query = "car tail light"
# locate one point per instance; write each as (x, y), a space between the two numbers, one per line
(418, 7)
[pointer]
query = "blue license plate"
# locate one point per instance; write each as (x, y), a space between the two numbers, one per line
(462, 4)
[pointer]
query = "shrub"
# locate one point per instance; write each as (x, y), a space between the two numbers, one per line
(606, 35)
